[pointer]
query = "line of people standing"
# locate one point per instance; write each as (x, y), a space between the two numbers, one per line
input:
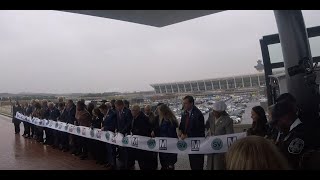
(115, 116)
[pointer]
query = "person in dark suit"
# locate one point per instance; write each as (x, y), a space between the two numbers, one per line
(16, 108)
(97, 148)
(54, 114)
(44, 115)
(142, 127)
(192, 125)
(109, 124)
(124, 120)
(71, 119)
(28, 125)
(62, 139)
(154, 122)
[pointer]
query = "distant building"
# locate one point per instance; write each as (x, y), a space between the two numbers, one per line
(227, 83)
(259, 67)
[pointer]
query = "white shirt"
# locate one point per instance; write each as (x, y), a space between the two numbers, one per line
(295, 124)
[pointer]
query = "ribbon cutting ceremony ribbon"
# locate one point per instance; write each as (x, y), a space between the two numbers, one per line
(201, 145)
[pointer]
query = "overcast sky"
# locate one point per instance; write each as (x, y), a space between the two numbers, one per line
(60, 52)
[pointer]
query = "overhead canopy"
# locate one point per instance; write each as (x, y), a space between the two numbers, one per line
(157, 18)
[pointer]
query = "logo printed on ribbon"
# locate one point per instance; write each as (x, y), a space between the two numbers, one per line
(113, 139)
(125, 140)
(195, 145)
(216, 144)
(71, 129)
(151, 143)
(231, 140)
(98, 135)
(162, 144)
(134, 141)
(182, 145)
(66, 127)
(83, 131)
(92, 133)
(107, 135)
(78, 130)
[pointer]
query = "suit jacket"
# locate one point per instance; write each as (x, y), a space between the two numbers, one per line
(221, 126)
(71, 115)
(196, 127)
(110, 121)
(63, 116)
(124, 123)
(84, 118)
(54, 114)
(141, 125)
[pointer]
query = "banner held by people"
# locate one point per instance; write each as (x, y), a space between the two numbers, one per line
(201, 145)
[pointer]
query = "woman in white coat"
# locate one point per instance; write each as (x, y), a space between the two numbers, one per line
(218, 123)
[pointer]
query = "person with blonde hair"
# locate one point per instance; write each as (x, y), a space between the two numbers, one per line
(255, 153)
(168, 125)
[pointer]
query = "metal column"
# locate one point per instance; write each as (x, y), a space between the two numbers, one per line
(296, 49)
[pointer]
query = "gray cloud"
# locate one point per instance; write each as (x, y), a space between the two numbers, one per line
(59, 52)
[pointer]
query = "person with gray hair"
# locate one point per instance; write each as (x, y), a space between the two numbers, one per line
(141, 127)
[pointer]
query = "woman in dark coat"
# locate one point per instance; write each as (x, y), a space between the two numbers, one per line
(98, 148)
(259, 124)
(168, 125)
(16, 108)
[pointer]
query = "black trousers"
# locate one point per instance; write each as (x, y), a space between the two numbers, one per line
(154, 161)
(49, 135)
(168, 159)
(98, 150)
(144, 158)
(111, 154)
(17, 127)
(83, 142)
(26, 127)
(124, 157)
(196, 161)
(39, 131)
(33, 129)
(63, 139)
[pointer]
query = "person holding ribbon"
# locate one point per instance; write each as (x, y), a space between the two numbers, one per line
(219, 123)
(192, 125)
(167, 128)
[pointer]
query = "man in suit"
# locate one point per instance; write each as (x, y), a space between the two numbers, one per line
(109, 124)
(124, 119)
(192, 125)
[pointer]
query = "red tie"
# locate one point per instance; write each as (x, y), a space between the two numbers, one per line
(187, 120)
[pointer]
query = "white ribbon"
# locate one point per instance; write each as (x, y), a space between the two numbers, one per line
(201, 145)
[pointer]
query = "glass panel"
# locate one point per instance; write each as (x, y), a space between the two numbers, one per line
(315, 46)
(275, 53)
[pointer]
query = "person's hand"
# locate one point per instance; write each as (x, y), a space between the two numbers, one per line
(102, 129)
(183, 136)
(152, 134)
(179, 134)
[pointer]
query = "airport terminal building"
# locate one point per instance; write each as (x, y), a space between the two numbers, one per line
(235, 82)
